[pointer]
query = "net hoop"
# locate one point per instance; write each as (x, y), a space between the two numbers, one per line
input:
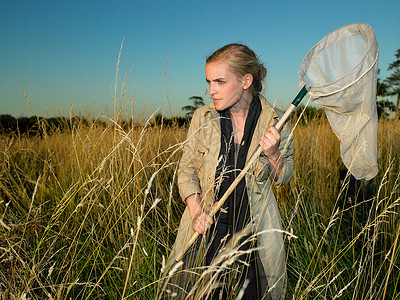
(364, 66)
(340, 74)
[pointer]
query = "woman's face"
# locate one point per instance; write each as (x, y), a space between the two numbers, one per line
(226, 88)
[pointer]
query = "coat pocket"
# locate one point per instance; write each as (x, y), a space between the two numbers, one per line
(201, 154)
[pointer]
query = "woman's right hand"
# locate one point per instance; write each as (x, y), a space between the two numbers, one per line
(201, 222)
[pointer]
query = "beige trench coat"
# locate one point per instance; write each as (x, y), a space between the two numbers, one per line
(196, 174)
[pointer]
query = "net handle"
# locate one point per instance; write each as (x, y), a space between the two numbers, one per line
(249, 164)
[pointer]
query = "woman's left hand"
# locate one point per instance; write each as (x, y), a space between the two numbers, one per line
(269, 143)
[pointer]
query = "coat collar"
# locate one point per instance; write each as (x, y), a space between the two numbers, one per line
(268, 117)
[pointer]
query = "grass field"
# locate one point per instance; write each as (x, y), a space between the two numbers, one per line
(90, 212)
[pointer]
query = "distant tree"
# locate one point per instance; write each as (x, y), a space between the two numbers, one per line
(383, 106)
(159, 119)
(38, 125)
(393, 81)
(180, 121)
(381, 87)
(308, 114)
(28, 125)
(197, 102)
(7, 123)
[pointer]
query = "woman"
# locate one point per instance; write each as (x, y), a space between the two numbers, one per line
(221, 139)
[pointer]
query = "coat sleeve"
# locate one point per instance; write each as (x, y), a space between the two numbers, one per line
(286, 148)
(188, 181)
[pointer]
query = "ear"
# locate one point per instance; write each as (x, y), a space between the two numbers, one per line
(247, 81)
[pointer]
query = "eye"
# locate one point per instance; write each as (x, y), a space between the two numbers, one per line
(221, 81)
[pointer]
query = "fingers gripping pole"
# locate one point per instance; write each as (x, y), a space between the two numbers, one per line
(249, 164)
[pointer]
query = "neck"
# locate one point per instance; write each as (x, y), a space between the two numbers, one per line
(239, 116)
(241, 108)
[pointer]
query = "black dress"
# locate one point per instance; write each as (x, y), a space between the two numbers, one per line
(235, 213)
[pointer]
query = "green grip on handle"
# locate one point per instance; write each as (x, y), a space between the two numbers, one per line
(299, 96)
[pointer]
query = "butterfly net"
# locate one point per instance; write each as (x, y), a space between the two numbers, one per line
(340, 74)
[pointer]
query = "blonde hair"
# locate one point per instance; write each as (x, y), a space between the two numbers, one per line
(242, 61)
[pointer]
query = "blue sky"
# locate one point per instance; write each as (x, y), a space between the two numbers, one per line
(64, 53)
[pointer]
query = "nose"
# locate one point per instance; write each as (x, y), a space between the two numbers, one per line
(212, 91)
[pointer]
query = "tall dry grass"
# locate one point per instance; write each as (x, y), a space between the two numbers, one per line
(89, 212)
(347, 229)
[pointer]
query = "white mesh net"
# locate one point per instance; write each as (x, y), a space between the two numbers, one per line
(340, 74)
